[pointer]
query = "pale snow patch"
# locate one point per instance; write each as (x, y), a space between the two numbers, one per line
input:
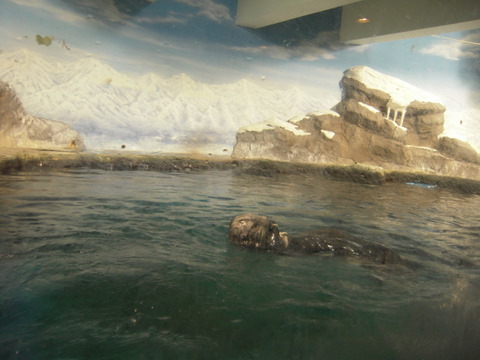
(421, 147)
(328, 134)
(272, 124)
(297, 119)
(325, 112)
(370, 108)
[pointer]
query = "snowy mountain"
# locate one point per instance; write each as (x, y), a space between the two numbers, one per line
(146, 113)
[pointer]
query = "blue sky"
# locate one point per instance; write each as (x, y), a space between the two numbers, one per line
(200, 38)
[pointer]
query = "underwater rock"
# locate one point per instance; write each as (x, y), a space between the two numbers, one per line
(380, 121)
(20, 129)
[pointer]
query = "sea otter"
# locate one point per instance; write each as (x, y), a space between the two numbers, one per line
(260, 232)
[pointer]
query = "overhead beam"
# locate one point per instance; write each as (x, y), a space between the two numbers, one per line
(259, 13)
(388, 20)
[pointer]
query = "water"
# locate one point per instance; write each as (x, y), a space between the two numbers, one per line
(136, 265)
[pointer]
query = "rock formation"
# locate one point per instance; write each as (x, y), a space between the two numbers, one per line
(20, 129)
(380, 121)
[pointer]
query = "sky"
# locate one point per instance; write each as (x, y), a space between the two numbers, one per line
(200, 38)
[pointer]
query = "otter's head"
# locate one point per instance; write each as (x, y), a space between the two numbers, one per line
(256, 231)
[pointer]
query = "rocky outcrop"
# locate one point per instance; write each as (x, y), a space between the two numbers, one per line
(457, 149)
(380, 121)
(20, 129)
(419, 112)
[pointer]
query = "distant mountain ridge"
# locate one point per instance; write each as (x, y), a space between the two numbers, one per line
(145, 112)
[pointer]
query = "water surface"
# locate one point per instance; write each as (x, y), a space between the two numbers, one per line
(136, 265)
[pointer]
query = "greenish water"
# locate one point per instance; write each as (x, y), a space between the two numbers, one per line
(136, 265)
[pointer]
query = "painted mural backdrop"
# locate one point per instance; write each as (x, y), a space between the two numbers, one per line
(180, 75)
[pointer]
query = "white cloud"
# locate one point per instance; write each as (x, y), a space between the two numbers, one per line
(170, 19)
(103, 10)
(302, 52)
(312, 53)
(360, 48)
(151, 39)
(455, 49)
(272, 51)
(323, 46)
(328, 56)
(309, 58)
(448, 51)
(99, 11)
(210, 9)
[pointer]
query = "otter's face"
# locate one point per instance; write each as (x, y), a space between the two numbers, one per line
(256, 231)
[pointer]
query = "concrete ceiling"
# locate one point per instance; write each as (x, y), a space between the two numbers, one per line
(367, 21)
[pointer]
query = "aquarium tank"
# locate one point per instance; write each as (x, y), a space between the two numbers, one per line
(132, 132)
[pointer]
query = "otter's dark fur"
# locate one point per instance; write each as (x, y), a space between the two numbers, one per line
(260, 232)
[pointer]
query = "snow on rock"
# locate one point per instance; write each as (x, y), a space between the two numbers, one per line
(397, 102)
(273, 124)
(328, 134)
(401, 92)
(370, 108)
(299, 118)
(296, 119)
(325, 112)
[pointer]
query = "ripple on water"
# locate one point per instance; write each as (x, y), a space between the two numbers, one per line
(127, 265)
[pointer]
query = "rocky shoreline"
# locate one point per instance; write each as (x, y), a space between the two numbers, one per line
(17, 160)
